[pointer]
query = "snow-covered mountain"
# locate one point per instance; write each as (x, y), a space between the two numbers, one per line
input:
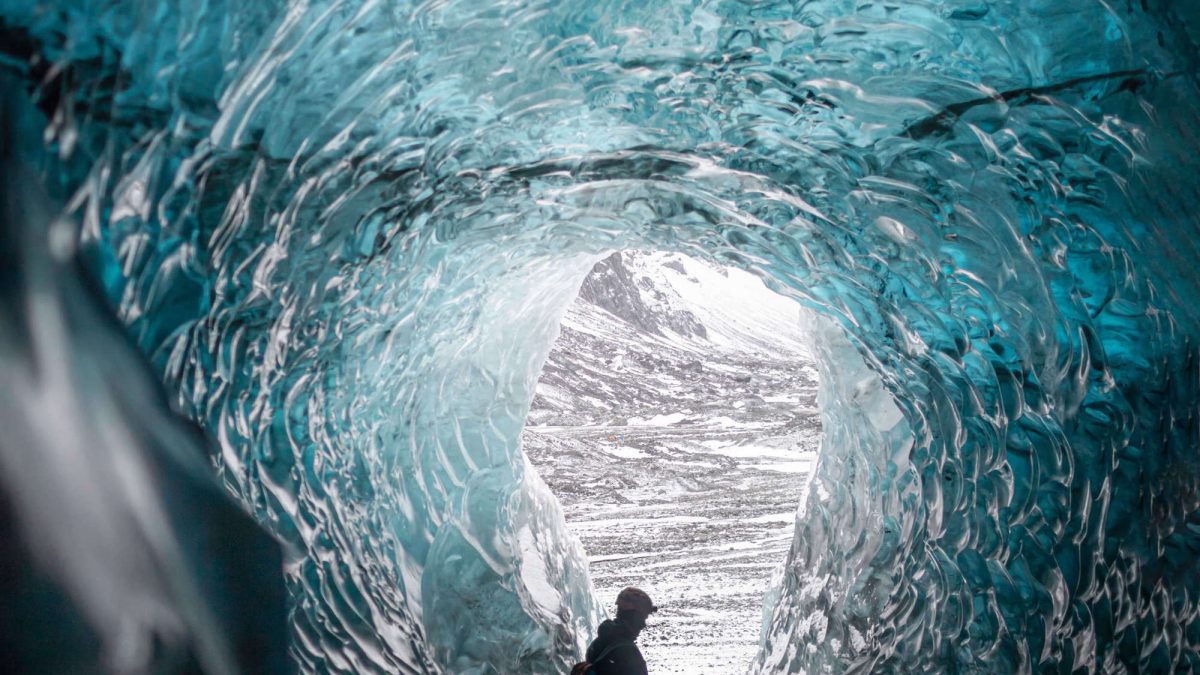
(676, 421)
(656, 334)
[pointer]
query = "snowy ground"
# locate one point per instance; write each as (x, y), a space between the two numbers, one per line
(680, 459)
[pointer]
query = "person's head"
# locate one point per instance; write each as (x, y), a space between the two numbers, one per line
(633, 606)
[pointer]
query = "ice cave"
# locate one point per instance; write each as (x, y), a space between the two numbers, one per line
(277, 278)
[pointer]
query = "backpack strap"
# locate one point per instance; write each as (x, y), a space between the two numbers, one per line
(609, 649)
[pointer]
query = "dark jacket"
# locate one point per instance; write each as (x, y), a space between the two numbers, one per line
(624, 660)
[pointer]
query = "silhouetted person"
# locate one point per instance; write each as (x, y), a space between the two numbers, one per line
(614, 651)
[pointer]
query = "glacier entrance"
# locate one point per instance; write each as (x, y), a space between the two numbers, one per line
(676, 421)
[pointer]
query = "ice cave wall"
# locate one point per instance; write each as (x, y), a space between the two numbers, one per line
(120, 552)
(343, 232)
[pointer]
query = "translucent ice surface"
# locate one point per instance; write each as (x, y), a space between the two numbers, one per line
(119, 550)
(343, 233)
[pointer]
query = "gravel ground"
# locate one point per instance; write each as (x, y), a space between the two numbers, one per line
(698, 517)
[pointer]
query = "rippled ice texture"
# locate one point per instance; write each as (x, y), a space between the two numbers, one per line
(344, 233)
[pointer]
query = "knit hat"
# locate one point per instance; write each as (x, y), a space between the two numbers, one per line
(635, 599)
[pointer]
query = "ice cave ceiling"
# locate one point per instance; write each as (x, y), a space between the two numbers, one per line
(343, 232)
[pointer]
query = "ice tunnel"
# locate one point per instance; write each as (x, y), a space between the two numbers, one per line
(342, 233)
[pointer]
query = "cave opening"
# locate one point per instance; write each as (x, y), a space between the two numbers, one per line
(676, 421)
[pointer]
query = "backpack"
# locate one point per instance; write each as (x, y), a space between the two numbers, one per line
(589, 667)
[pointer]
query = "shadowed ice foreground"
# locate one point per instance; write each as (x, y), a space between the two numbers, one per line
(343, 234)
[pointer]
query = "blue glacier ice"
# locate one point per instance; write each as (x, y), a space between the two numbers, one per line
(119, 550)
(343, 232)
